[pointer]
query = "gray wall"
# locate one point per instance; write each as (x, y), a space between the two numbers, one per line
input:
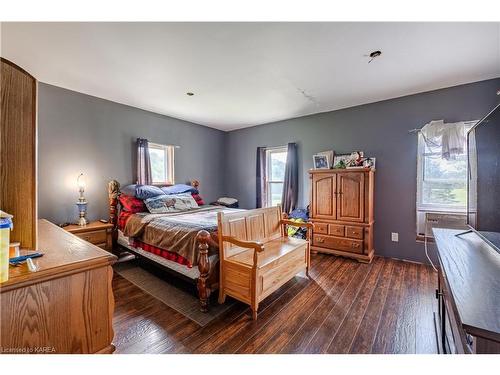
(380, 130)
(81, 133)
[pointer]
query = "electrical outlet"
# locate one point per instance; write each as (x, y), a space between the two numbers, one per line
(395, 237)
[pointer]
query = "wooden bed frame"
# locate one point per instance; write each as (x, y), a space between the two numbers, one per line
(208, 279)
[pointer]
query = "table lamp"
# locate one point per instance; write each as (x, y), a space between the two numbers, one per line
(82, 203)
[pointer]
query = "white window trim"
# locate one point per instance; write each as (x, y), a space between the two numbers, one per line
(270, 150)
(169, 165)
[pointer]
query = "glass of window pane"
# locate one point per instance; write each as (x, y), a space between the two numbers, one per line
(437, 168)
(157, 157)
(278, 163)
(444, 181)
(276, 192)
(445, 193)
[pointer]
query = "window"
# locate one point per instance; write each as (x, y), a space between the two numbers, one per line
(275, 174)
(162, 163)
(441, 183)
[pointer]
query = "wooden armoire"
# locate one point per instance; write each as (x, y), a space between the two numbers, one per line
(341, 209)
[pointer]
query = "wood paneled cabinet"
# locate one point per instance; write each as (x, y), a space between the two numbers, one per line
(341, 204)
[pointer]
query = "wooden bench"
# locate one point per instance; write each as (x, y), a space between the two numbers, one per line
(256, 255)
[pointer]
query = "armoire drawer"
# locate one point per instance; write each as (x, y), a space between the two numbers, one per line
(336, 230)
(354, 232)
(321, 228)
(344, 244)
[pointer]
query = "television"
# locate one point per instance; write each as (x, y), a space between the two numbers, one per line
(483, 185)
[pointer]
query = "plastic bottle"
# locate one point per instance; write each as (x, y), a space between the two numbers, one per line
(5, 228)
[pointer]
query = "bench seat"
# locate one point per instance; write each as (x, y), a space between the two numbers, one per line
(273, 251)
(257, 257)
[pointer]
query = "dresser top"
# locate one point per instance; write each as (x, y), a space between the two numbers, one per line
(64, 253)
(340, 170)
(92, 226)
(472, 270)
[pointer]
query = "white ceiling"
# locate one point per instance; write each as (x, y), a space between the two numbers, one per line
(244, 74)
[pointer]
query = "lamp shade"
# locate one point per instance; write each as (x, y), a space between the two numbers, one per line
(81, 182)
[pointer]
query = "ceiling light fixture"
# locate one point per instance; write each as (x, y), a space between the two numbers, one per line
(373, 55)
(190, 93)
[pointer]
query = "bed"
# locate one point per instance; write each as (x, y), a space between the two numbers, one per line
(184, 244)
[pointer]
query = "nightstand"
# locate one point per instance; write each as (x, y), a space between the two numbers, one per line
(95, 232)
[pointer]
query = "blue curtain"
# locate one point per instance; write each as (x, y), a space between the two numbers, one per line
(143, 163)
(261, 175)
(291, 182)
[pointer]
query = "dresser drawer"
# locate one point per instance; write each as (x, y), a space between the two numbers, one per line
(336, 230)
(96, 237)
(335, 243)
(354, 232)
(321, 228)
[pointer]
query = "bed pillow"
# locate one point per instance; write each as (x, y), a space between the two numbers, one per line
(171, 203)
(147, 191)
(199, 200)
(129, 190)
(131, 204)
(179, 189)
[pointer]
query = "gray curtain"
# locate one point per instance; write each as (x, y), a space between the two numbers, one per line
(143, 162)
(261, 175)
(291, 183)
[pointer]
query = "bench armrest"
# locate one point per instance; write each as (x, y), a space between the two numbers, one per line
(257, 246)
(294, 224)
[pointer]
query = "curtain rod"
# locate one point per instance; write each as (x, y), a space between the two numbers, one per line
(418, 130)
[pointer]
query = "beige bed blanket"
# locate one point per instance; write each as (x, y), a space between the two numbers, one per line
(176, 232)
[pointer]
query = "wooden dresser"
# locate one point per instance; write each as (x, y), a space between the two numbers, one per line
(66, 306)
(95, 232)
(341, 208)
(468, 293)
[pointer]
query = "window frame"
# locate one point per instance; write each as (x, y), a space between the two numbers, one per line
(268, 181)
(421, 154)
(169, 164)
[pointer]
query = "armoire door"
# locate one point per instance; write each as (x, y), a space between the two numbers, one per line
(351, 197)
(324, 202)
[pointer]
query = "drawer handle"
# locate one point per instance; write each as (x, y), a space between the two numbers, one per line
(355, 245)
(355, 232)
(320, 240)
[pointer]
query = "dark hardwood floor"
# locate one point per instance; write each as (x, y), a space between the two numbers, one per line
(346, 307)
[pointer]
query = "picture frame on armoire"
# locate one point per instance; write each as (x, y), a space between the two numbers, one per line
(341, 160)
(321, 162)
